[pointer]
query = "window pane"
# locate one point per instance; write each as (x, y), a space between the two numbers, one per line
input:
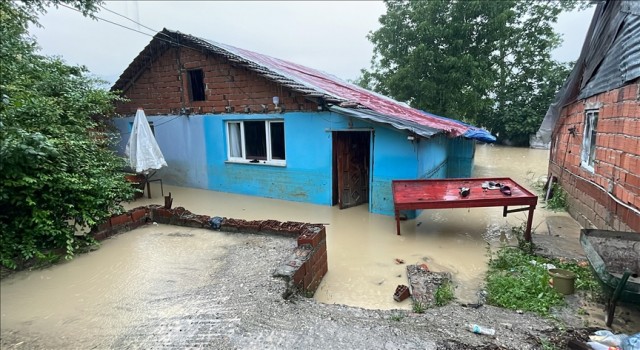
(234, 140)
(255, 139)
(592, 146)
(277, 140)
(196, 84)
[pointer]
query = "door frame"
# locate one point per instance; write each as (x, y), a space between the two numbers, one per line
(334, 167)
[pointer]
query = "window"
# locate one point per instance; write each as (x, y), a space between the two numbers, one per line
(196, 84)
(589, 139)
(153, 129)
(256, 141)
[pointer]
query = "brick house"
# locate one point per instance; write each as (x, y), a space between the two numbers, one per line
(594, 124)
(233, 120)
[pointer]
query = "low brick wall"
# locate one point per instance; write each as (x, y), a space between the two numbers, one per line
(302, 271)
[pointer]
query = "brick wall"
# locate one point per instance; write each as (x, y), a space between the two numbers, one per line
(617, 166)
(303, 271)
(163, 87)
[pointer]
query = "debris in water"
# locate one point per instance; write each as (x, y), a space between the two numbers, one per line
(399, 261)
(424, 267)
(402, 293)
(381, 282)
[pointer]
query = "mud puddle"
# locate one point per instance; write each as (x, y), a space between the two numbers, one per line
(111, 288)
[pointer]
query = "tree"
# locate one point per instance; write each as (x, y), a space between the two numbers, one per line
(56, 170)
(485, 62)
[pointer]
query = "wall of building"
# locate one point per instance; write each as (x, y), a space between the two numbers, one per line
(163, 88)
(617, 168)
(195, 149)
(394, 158)
(432, 157)
(461, 153)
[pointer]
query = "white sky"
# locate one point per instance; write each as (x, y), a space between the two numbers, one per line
(326, 35)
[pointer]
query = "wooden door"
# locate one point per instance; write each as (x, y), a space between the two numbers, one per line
(351, 151)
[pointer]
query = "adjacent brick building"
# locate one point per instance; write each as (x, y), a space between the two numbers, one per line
(595, 123)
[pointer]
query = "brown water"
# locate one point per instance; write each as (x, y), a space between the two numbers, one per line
(362, 249)
(101, 292)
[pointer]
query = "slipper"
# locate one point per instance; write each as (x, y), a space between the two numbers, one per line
(506, 190)
(493, 185)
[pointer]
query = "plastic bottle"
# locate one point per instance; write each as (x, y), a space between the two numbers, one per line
(474, 328)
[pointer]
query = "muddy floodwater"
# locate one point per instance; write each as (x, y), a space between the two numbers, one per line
(362, 253)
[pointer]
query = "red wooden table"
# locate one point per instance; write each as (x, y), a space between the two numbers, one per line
(445, 193)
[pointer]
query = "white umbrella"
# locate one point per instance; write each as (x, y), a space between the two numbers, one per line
(142, 149)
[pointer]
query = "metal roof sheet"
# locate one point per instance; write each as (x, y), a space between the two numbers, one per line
(610, 57)
(313, 82)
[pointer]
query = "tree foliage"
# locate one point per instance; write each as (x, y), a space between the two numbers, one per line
(485, 62)
(56, 170)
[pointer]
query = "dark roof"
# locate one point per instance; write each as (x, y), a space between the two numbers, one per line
(341, 95)
(610, 58)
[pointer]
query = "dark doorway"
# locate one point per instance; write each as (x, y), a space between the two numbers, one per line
(351, 156)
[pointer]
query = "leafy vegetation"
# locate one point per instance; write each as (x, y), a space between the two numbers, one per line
(519, 280)
(57, 172)
(444, 294)
(559, 199)
(485, 62)
(419, 307)
(397, 317)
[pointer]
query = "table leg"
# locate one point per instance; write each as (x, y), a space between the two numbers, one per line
(148, 189)
(527, 233)
(504, 212)
(398, 222)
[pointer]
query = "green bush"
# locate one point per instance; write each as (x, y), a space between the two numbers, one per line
(514, 282)
(444, 294)
(559, 199)
(56, 168)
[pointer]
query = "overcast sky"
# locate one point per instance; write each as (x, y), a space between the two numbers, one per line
(330, 36)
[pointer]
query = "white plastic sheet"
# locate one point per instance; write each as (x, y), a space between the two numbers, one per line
(142, 149)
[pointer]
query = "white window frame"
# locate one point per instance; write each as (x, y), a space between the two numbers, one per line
(587, 157)
(243, 158)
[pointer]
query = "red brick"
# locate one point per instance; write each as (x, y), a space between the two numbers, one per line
(138, 214)
(298, 276)
(308, 278)
(120, 220)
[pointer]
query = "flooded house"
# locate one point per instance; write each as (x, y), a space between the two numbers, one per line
(237, 121)
(594, 123)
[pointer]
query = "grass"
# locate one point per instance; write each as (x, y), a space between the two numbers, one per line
(558, 202)
(419, 307)
(444, 294)
(547, 344)
(397, 317)
(559, 199)
(514, 282)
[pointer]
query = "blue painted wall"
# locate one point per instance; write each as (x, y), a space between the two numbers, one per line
(432, 157)
(195, 149)
(182, 143)
(461, 153)
(394, 158)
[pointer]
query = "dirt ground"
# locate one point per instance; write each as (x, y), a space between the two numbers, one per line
(241, 307)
